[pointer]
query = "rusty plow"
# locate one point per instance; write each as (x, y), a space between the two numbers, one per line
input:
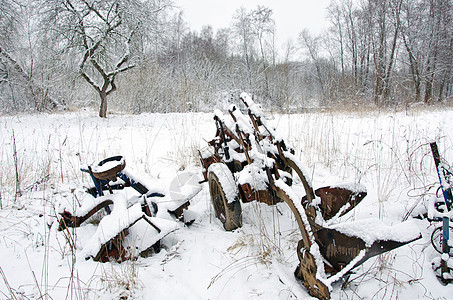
(247, 146)
(131, 225)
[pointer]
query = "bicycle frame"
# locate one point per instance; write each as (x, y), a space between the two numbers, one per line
(443, 173)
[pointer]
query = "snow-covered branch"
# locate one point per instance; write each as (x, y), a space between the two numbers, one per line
(90, 81)
(120, 70)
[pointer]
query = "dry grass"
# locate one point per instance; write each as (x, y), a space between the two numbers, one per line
(379, 151)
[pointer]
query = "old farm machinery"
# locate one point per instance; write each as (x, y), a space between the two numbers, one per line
(134, 224)
(248, 161)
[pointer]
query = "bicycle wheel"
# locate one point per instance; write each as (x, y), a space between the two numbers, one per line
(437, 239)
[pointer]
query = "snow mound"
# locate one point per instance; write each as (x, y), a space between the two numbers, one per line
(371, 230)
(109, 227)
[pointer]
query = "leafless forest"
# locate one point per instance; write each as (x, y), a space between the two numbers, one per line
(140, 56)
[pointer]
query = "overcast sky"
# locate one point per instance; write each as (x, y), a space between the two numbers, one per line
(291, 16)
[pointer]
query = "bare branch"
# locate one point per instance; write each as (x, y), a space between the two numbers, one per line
(90, 81)
(89, 53)
(126, 55)
(91, 8)
(117, 71)
(112, 86)
(99, 69)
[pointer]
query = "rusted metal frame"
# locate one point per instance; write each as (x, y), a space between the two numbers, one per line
(113, 249)
(246, 145)
(224, 135)
(179, 212)
(289, 162)
(68, 220)
(107, 250)
(221, 133)
(307, 269)
(259, 137)
(149, 222)
(256, 121)
(206, 162)
(310, 213)
(227, 132)
(338, 251)
(282, 195)
(273, 196)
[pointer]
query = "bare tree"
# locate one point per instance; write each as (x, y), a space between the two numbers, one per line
(383, 16)
(264, 29)
(439, 47)
(9, 24)
(312, 45)
(102, 33)
(243, 30)
(412, 19)
(19, 81)
(335, 16)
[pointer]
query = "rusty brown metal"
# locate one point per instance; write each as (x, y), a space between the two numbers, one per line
(68, 220)
(340, 249)
(111, 173)
(249, 194)
(207, 161)
(179, 213)
(337, 249)
(334, 199)
(306, 272)
(113, 250)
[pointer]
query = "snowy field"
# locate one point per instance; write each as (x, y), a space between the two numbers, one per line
(386, 152)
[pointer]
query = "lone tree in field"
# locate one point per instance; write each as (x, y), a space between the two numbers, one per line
(107, 35)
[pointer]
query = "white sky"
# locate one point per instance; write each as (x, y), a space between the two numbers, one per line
(291, 16)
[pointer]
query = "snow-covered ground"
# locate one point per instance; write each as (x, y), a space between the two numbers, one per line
(386, 152)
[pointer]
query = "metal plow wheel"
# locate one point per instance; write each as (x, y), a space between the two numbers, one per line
(228, 211)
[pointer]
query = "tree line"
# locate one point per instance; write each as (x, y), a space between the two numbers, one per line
(140, 56)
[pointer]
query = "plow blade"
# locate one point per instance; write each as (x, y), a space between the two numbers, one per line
(338, 200)
(340, 249)
(341, 253)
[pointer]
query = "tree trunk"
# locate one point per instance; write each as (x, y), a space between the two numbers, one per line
(429, 89)
(103, 107)
(441, 90)
(379, 62)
